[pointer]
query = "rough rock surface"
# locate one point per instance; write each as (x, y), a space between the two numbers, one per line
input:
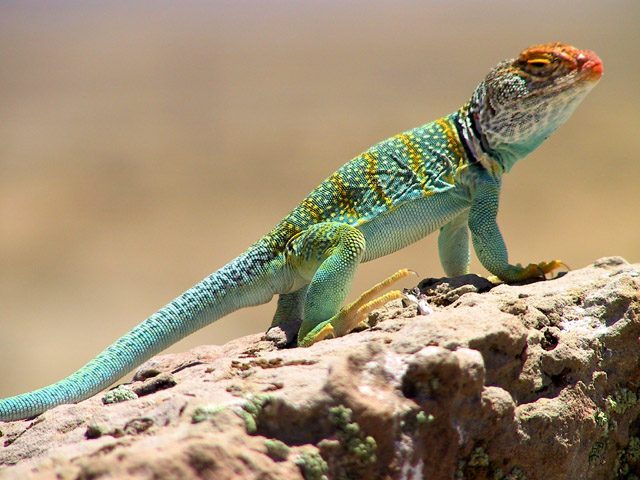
(536, 381)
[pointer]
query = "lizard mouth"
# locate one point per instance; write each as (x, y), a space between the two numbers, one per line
(589, 65)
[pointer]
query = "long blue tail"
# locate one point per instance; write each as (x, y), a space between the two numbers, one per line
(247, 280)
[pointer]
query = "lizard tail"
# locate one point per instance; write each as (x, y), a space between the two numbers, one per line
(241, 283)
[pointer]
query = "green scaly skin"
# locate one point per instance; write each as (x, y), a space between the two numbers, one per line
(445, 175)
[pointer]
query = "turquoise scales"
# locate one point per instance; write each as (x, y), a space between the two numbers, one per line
(415, 164)
(444, 175)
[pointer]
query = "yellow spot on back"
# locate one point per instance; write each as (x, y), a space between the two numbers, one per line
(416, 157)
(373, 180)
(345, 200)
(453, 142)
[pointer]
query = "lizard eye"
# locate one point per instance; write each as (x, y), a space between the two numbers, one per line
(538, 62)
(539, 65)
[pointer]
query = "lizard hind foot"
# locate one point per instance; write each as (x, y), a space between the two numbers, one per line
(350, 316)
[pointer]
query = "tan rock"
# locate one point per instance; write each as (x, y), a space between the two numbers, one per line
(536, 381)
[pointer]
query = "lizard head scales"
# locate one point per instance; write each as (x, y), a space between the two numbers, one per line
(522, 101)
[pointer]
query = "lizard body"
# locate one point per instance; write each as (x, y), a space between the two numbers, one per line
(444, 175)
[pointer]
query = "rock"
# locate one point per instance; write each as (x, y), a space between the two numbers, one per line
(536, 381)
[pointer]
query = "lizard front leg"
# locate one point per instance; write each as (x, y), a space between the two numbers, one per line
(487, 239)
(453, 246)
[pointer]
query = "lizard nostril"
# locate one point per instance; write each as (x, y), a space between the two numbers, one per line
(589, 61)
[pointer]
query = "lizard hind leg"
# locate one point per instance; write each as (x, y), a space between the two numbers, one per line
(356, 312)
(328, 254)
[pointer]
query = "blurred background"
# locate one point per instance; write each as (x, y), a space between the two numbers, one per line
(145, 144)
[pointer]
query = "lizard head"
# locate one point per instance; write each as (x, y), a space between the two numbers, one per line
(522, 101)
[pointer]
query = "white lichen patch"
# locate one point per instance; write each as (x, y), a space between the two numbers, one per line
(412, 472)
(582, 320)
(387, 370)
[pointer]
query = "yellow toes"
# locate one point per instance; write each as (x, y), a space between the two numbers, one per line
(353, 314)
(539, 270)
(321, 332)
(548, 267)
(377, 288)
(325, 331)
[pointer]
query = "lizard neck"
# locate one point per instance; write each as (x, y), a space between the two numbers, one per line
(475, 143)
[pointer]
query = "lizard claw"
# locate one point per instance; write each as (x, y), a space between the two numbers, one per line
(548, 267)
(539, 270)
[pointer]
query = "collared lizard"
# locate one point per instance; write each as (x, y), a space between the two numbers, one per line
(445, 175)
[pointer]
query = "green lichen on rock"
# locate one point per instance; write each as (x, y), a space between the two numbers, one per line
(478, 458)
(250, 411)
(312, 466)
(361, 447)
(423, 418)
(597, 453)
(277, 450)
(602, 420)
(599, 448)
(206, 412)
(627, 461)
(121, 393)
(434, 383)
(621, 400)
(476, 465)
(340, 416)
(633, 449)
(515, 474)
(352, 454)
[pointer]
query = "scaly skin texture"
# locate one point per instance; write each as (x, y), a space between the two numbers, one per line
(445, 175)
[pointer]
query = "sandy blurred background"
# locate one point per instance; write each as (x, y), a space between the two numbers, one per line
(145, 144)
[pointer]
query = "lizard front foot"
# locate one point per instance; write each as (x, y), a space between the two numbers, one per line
(517, 273)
